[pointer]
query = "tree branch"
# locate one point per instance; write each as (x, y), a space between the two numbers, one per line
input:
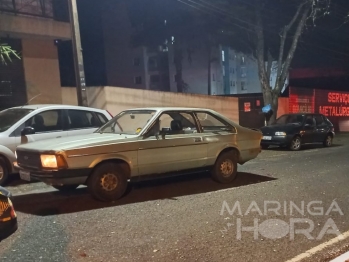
(260, 45)
(284, 36)
(286, 65)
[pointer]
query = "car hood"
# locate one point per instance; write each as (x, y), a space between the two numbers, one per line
(76, 142)
(289, 128)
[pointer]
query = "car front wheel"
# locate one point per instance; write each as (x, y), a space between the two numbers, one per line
(108, 182)
(296, 143)
(3, 171)
(225, 168)
(328, 141)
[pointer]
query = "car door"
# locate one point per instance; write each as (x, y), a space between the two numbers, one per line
(47, 124)
(321, 128)
(180, 146)
(82, 122)
(309, 130)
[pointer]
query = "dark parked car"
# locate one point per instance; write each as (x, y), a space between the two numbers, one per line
(295, 130)
(8, 217)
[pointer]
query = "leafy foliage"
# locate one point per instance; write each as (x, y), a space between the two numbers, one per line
(6, 53)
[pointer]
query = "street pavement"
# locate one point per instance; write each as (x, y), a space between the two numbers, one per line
(188, 219)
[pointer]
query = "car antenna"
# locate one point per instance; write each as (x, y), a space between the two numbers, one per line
(31, 100)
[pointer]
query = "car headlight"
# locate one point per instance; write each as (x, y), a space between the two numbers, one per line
(280, 133)
(53, 161)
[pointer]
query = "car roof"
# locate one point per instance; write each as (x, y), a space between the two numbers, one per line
(56, 106)
(172, 108)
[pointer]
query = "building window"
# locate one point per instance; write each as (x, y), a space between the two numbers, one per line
(138, 80)
(223, 56)
(153, 63)
(243, 85)
(231, 83)
(137, 61)
(242, 60)
(213, 77)
(154, 79)
(223, 71)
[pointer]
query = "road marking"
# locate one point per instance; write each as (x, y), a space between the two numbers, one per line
(319, 248)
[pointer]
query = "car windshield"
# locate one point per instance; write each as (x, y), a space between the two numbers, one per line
(9, 117)
(129, 122)
(290, 119)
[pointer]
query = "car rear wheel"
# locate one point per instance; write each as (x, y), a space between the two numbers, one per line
(66, 188)
(328, 141)
(225, 168)
(108, 182)
(3, 171)
(296, 143)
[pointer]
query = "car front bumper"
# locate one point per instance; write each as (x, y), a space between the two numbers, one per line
(276, 140)
(8, 228)
(55, 177)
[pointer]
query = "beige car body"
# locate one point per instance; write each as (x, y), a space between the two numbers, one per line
(143, 155)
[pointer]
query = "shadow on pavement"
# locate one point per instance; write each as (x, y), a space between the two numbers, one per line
(304, 147)
(54, 203)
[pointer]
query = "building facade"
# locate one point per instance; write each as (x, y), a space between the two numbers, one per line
(31, 28)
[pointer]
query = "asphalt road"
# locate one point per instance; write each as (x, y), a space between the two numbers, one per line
(181, 219)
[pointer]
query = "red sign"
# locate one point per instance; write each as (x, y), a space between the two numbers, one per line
(247, 106)
(337, 104)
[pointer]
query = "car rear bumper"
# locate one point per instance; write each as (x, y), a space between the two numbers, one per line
(57, 177)
(8, 228)
(277, 141)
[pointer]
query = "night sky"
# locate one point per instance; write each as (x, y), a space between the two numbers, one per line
(326, 45)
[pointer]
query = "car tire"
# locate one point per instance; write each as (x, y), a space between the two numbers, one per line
(108, 182)
(264, 147)
(296, 143)
(66, 188)
(3, 171)
(328, 140)
(225, 168)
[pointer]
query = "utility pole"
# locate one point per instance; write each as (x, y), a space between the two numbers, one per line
(77, 54)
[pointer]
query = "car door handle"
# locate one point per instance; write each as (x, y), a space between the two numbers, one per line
(197, 139)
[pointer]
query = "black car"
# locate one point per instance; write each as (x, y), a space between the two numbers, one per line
(295, 130)
(8, 217)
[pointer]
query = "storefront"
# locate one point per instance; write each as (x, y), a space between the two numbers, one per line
(333, 104)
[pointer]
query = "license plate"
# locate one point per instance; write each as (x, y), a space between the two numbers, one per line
(25, 175)
(266, 137)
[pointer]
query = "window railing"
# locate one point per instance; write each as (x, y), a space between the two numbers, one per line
(40, 8)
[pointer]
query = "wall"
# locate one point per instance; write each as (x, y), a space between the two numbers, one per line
(41, 70)
(283, 106)
(22, 26)
(116, 99)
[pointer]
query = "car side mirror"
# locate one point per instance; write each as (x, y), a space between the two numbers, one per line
(28, 130)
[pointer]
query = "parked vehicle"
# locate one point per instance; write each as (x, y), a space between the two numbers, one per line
(142, 143)
(30, 123)
(8, 216)
(295, 130)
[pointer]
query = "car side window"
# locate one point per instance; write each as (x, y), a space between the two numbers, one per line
(310, 121)
(80, 119)
(102, 118)
(47, 121)
(211, 123)
(177, 123)
(319, 120)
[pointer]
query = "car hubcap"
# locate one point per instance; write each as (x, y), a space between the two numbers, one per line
(227, 168)
(109, 182)
(296, 143)
(1, 172)
(329, 141)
